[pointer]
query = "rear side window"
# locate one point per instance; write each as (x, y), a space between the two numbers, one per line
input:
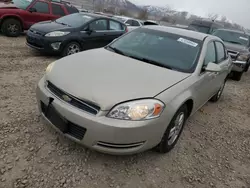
(220, 50)
(113, 25)
(210, 54)
(135, 23)
(99, 25)
(41, 7)
(57, 10)
(71, 9)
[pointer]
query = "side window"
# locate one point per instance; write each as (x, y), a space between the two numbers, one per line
(99, 25)
(57, 10)
(210, 54)
(220, 50)
(129, 22)
(113, 25)
(41, 7)
(135, 23)
(71, 9)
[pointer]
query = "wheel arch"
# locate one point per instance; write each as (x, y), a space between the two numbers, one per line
(12, 17)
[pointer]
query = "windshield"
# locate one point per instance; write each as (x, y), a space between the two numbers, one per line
(200, 28)
(22, 4)
(232, 37)
(74, 20)
(160, 48)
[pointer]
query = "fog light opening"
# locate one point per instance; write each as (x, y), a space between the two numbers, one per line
(56, 45)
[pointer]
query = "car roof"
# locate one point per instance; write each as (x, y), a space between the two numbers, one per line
(180, 31)
(235, 31)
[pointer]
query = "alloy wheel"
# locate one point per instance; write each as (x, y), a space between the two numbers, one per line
(73, 48)
(175, 131)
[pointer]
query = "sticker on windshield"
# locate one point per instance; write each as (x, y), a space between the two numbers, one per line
(188, 42)
(244, 38)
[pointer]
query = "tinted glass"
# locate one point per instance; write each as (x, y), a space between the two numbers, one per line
(162, 48)
(129, 22)
(22, 4)
(41, 7)
(220, 51)
(99, 25)
(74, 20)
(57, 10)
(114, 25)
(210, 54)
(71, 9)
(200, 28)
(232, 37)
(135, 23)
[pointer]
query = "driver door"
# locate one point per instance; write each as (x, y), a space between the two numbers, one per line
(95, 34)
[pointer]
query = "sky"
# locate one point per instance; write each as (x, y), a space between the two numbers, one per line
(236, 10)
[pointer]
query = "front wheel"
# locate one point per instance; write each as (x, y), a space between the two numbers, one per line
(217, 96)
(71, 48)
(11, 27)
(173, 131)
(247, 66)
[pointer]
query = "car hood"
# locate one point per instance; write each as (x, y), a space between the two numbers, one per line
(106, 78)
(235, 47)
(49, 26)
(7, 6)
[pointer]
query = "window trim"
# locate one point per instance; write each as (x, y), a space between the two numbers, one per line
(60, 7)
(225, 57)
(49, 11)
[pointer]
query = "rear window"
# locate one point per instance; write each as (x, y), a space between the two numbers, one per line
(71, 9)
(169, 50)
(75, 20)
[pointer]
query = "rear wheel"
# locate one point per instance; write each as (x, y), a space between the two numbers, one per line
(71, 48)
(237, 76)
(11, 27)
(173, 131)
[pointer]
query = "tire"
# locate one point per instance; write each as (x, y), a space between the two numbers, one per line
(167, 143)
(237, 76)
(217, 96)
(247, 66)
(11, 27)
(76, 48)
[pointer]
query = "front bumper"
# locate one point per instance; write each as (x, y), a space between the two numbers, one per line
(238, 66)
(100, 133)
(41, 43)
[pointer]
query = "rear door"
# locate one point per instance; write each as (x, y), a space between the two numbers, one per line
(42, 13)
(115, 30)
(95, 34)
(57, 11)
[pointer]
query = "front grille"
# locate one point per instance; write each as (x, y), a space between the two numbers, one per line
(62, 124)
(35, 42)
(119, 146)
(233, 54)
(83, 105)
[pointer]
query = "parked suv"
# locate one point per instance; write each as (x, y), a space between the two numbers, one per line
(19, 15)
(238, 47)
(205, 26)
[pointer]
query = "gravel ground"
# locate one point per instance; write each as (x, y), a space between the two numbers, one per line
(214, 150)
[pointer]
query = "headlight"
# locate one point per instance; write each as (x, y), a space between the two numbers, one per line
(242, 57)
(57, 34)
(49, 67)
(137, 110)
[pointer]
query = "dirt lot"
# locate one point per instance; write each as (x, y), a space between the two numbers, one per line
(214, 150)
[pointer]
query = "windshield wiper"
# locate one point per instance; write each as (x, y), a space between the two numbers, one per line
(62, 23)
(116, 50)
(151, 62)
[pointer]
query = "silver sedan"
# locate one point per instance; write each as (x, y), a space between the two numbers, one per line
(136, 93)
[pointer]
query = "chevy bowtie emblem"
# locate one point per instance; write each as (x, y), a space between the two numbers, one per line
(66, 98)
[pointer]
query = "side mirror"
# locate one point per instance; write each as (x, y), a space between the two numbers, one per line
(32, 9)
(90, 31)
(212, 67)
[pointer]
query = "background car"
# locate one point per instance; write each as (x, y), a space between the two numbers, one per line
(205, 26)
(185, 27)
(21, 14)
(74, 33)
(237, 44)
(143, 87)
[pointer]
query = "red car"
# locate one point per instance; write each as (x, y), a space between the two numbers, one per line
(19, 15)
